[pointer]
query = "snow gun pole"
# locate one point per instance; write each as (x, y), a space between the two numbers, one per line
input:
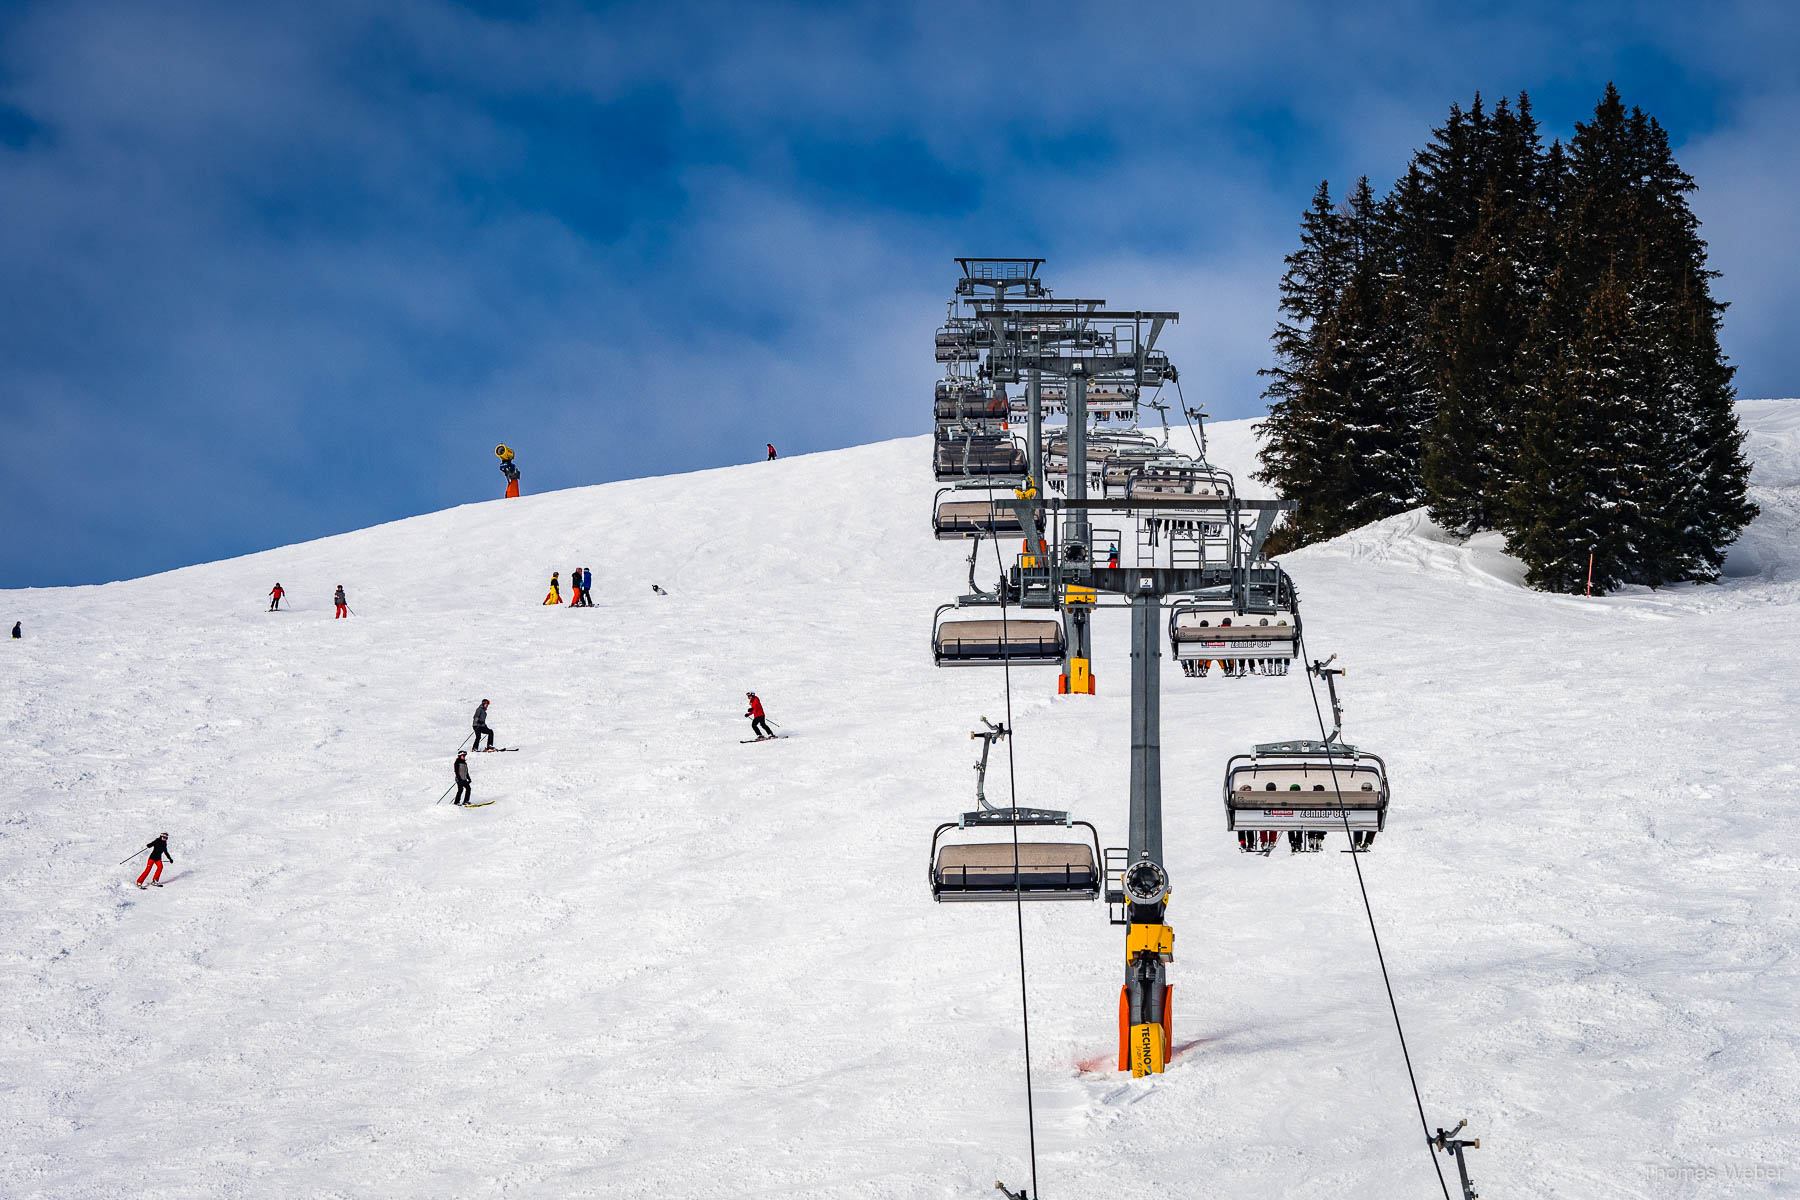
(134, 856)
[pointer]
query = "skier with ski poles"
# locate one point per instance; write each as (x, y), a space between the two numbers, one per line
(481, 727)
(759, 720)
(159, 849)
(343, 605)
(464, 786)
(275, 595)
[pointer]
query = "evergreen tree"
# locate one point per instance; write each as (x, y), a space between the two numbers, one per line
(1311, 287)
(1478, 328)
(1581, 462)
(1523, 339)
(1412, 389)
(1623, 223)
(1333, 441)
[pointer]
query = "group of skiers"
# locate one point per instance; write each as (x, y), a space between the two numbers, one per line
(465, 783)
(1198, 668)
(278, 593)
(461, 778)
(581, 582)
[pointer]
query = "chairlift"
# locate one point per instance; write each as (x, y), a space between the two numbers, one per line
(1208, 489)
(954, 344)
(1305, 789)
(964, 453)
(1202, 633)
(1105, 451)
(985, 642)
(971, 402)
(952, 519)
(983, 868)
(1105, 401)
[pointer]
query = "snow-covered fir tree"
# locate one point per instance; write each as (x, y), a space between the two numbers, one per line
(1624, 228)
(1525, 340)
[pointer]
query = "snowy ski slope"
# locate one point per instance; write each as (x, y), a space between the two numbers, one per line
(664, 964)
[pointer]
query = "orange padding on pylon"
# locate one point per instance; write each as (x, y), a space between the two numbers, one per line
(512, 489)
(1124, 1030)
(1168, 1022)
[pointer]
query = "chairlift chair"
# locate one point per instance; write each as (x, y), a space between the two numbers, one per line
(952, 519)
(971, 403)
(1103, 451)
(1205, 632)
(1011, 869)
(1305, 789)
(990, 643)
(963, 453)
(955, 344)
(993, 869)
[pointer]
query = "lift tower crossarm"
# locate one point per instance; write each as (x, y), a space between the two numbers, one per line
(993, 311)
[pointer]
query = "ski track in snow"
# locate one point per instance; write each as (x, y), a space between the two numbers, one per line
(667, 965)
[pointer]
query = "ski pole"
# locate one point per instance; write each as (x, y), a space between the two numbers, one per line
(440, 799)
(134, 856)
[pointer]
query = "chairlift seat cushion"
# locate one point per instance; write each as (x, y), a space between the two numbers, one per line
(1059, 867)
(995, 640)
(971, 516)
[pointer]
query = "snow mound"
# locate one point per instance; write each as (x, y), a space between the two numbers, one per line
(666, 964)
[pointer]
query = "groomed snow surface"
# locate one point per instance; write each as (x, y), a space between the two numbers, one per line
(664, 964)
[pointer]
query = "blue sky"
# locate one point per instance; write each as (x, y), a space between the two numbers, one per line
(277, 271)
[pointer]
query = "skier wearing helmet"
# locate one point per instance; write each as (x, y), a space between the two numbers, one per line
(159, 850)
(464, 787)
(759, 720)
(481, 727)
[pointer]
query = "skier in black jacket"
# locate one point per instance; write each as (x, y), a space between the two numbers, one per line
(463, 786)
(159, 849)
(481, 727)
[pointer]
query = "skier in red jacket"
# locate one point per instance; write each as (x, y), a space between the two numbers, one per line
(759, 720)
(275, 595)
